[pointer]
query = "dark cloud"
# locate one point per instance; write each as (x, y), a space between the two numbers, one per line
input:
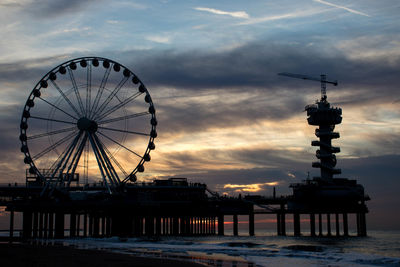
(252, 67)
(192, 117)
(256, 65)
(23, 75)
(21, 71)
(42, 9)
(388, 143)
(11, 160)
(268, 163)
(380, 177)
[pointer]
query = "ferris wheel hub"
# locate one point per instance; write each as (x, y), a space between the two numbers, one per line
(85, 124)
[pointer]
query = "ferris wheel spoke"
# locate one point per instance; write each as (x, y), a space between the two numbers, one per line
(118, 106)
(88, 89)
(124, 117)
(100, 92)
(53, 146)
(112, 95)
(51, 133)
(56, 162)
(100, 162)
(121, 145)
(65, 98)
(86, 164)
(64, 161)
(110, 167)
(77, 156)
(114, 160)
(77, 94)
(56, 172)
(123, 131)
(54, 106)
(47, 119)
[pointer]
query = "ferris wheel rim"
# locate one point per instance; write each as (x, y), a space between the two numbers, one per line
(43, 83)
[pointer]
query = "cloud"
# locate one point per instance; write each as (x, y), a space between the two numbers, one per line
(253, 188)
(68, 31)
(8, 3)
(379, 176)
(234, 109)
(291, 15)
(264, 162)
(131, 4)
(249, 71)
(159, 39)
(253, 67)
(110, 21)
(269, 18)
(199, 90)
(372, 47)
(224, 94)
(11, 164)
(42, 9)
(236, 14)
(342, 7)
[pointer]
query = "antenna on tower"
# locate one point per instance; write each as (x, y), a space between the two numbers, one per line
(322, 80)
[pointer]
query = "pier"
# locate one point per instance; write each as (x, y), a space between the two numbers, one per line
(55, 203)
(170, 207)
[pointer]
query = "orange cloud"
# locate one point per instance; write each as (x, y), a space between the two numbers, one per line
(250, 187)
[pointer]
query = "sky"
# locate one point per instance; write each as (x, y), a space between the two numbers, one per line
(225, 118)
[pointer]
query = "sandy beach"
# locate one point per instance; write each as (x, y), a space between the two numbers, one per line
(26, 255)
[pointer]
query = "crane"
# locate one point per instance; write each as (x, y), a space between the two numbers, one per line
(323, 81)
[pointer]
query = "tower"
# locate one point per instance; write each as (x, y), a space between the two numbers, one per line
(325, 117)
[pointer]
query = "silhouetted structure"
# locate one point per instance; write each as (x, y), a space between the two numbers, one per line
(325, 194)
(174, 206)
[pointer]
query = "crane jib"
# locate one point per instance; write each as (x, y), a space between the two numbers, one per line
(322, 80)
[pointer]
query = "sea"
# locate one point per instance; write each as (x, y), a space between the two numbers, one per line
(379, 248)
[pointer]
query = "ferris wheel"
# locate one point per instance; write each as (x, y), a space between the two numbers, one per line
(90, 117)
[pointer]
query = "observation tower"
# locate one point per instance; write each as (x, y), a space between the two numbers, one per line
(325, 117)
(326, 194)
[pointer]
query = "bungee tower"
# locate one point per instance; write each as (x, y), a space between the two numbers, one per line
(325, 117)
(325, 194)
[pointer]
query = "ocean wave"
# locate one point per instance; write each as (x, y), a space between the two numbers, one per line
(262, 251)
(241, 244)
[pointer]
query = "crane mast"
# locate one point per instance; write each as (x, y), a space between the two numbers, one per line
(322, 80)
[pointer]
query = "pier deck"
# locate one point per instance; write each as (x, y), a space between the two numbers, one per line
(162, 208)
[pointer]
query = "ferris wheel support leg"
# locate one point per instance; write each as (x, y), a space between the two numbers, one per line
(105, 162)
(95, 151)
(66, 154)
(60, 179)
(113, 173)
(75, 160)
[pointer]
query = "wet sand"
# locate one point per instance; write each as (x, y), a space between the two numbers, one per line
(26, 255)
